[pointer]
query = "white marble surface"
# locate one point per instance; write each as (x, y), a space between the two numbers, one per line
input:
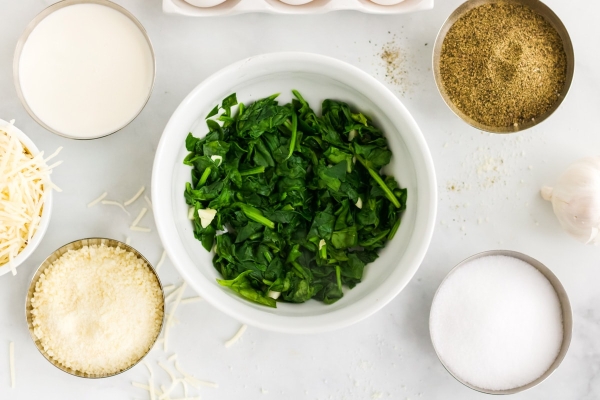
(389, 355)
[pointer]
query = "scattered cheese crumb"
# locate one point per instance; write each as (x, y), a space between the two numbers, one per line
(265, 391)
(191, 213)
(193, 381)
(236, 337)
(135, 196)
(98, 200)
(115, 203)
(351, 135)
(127, 240)
(359, 203)
(172, 358)
(322, 243)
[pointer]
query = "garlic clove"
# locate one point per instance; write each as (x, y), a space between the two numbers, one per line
(546, 193)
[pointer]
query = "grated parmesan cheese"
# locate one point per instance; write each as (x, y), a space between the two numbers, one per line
(24, 184)
(236, 337)
(135, 196)
(97, 309)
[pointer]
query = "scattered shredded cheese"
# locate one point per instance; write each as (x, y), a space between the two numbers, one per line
(24, 185)
(12, 364)
(194, 381)
(139, 217)
(135, 196)
(168, 371)
(115, 203)
(174, 293)
(236, 337)
(127, 240)
(162, 260)
(140, 229)
(98, 200)
(175, 304)
(191, 300)
(172, 358)
(148, 202)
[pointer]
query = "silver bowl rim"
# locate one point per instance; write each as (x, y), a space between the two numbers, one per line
(33, 24)
(46, 263)
(567, 315)
(540, 8)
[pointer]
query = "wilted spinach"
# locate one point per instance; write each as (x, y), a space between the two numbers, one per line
(301, 203)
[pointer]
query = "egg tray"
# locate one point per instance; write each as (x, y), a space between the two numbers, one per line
(233, 7)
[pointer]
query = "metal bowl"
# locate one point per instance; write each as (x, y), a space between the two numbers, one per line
(567, 318)
(78, 244)
(541, 9)
(33, 24)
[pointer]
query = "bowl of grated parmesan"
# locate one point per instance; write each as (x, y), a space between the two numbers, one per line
(95, 308)
(25, 196)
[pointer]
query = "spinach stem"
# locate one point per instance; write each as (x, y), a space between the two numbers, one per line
(394, 229)
(204, 176)
(338, 275)
(253, 171)
(294, 130)
(386, 189)
(255, 215)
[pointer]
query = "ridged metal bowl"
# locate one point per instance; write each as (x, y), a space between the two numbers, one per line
(78, 244)
(538, 7)
(34, 23)
(567, 319)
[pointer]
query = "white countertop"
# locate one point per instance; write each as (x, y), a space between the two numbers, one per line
(488, 199)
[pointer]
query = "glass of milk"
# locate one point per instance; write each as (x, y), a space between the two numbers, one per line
(84, 69)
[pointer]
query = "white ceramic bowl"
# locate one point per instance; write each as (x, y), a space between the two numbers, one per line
(46, 211)
(317, 78)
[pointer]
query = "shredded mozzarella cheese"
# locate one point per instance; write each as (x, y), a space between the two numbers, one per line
(169, 320)
(139, 217)
(162, 260)
(98, 200)
(115, 203)
(191, 300)
(148, 202)
(135, 196)
(12, 365)
(24, 185)
(236, 337)
(140, 229)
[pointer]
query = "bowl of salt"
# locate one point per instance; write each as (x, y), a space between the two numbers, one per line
(501, 322)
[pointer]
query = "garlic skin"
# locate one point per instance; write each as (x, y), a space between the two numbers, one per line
(576, 200)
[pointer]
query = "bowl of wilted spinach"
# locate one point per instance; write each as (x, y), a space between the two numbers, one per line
(294, 192)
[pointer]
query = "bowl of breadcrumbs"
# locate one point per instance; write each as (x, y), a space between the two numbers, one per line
(95, 308)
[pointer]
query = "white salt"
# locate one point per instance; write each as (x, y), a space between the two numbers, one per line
(496, 323)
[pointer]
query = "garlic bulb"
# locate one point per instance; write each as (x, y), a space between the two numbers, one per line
(576, 199)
